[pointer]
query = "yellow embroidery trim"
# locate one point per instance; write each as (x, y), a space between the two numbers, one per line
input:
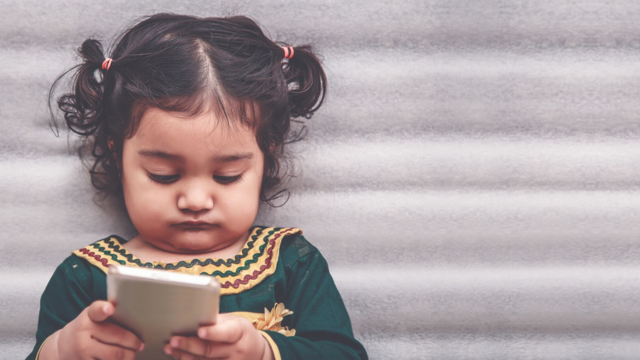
(251, 316)
(250, 267)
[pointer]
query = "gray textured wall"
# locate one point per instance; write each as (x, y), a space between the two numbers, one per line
(472, 179)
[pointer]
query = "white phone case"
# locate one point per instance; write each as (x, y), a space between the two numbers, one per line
(156, 304)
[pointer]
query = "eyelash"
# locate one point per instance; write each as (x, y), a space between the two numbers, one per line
(168, 179)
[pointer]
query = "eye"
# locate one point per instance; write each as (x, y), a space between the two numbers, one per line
(226, 180)
(163, 179)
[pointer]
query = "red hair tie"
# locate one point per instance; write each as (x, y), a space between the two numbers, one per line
(288, 52)
(107, 63)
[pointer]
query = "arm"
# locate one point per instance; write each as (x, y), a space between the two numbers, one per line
(73, 326)
(321, 321)
(64, 298)
(323, 329)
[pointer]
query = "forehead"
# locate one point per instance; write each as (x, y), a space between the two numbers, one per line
(204, 133)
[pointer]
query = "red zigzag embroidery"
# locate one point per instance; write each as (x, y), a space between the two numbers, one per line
(256, 273)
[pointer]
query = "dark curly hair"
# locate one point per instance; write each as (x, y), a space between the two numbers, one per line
(184, 64)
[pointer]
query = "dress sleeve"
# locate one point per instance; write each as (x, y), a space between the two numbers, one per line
(321, 321)
(64, 298)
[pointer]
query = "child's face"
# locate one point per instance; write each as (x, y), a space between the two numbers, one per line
(179, 169)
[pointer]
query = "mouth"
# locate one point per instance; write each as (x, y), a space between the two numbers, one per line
(195, 225)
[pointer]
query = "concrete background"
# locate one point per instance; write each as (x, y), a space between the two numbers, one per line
(473, 179)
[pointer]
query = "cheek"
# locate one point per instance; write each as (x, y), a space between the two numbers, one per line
(253, 200)
(243, 199)
(256, 181)
(143, 198)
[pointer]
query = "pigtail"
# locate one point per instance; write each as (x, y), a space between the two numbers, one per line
(304, 93)
(83, 114)
(306, 81)
(82, 107)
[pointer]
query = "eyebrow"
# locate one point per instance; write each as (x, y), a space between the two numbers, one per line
(174, 157)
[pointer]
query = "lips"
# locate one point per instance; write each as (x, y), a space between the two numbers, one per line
(195, 224)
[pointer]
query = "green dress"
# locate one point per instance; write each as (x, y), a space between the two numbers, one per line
(275, 266)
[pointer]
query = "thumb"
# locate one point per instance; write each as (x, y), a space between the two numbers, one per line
(100, 311)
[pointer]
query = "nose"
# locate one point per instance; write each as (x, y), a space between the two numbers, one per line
(195, 196)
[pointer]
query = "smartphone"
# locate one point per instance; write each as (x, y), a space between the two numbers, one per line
(156, 304)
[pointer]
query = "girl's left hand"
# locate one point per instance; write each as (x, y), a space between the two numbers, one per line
(231, 337)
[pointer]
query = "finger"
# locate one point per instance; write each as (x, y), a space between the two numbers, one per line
(184, 355)
(192, 345)
(113, 334)
(227, 332)
(106, 351)
(100, 311)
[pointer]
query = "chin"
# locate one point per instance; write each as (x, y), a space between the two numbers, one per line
(195, 242)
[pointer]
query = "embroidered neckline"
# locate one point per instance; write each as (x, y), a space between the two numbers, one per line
(255, 261)
(115, 244)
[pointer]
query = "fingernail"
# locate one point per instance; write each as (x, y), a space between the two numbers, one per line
(141, 347)
(106, 309)
(167, 350)
(202, 333)
(175, 343)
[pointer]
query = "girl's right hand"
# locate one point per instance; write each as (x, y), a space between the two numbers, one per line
(92, 336)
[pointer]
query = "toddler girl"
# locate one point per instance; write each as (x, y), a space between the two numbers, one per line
(187, 122)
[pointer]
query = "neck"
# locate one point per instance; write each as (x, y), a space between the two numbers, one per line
(149, 252)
